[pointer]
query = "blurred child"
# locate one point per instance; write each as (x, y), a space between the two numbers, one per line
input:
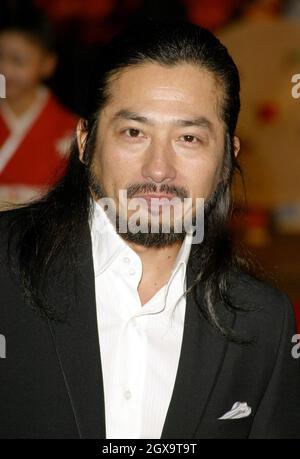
(35, 129)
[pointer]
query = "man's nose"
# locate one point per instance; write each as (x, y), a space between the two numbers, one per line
(159, 162)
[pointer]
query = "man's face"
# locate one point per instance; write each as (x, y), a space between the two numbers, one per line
(160, 133)
(23, 63)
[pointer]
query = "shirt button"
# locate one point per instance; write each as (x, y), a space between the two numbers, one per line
(127, 394)
(126, 260)
(132, 271)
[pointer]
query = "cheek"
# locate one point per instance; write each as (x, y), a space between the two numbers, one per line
(24, 77)
(112, 169)
(203, 177)
(33, 76)
(29, 74)
(118, 161)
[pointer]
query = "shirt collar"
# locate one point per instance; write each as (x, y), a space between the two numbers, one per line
(106, 242)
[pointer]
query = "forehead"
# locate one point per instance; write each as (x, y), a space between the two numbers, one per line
(182, 89)
(15, 40)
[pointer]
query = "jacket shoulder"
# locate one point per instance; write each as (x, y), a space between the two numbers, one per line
(266, 302)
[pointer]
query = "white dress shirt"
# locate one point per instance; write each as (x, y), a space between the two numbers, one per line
(139, 344)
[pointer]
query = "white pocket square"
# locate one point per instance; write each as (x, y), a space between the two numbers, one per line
(238, 410)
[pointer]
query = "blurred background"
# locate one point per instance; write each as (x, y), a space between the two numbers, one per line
(46, 78)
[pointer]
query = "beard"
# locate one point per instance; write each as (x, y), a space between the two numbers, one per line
(147, 238)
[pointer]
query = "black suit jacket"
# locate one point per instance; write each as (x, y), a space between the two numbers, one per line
(51, 379)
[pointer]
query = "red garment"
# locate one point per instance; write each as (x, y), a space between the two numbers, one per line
(39, 155)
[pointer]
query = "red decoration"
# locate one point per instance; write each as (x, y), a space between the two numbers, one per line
(211, 13)
(267, 112)
(77, 9)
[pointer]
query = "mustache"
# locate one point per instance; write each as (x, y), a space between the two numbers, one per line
(143, 188)
(180, 192)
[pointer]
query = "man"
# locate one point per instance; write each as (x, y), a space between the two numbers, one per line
(149, 332)
(30, 115)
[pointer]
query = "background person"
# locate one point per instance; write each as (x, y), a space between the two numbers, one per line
(35, 128)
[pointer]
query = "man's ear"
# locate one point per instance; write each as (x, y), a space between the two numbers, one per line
(236, 145)
(81, 134)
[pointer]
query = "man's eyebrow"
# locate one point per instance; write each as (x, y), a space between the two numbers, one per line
(200, 121)
(128, 115)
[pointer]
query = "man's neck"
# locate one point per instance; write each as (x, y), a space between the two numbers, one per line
(157, 267)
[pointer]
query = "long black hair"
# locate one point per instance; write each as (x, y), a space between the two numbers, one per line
(53, 225)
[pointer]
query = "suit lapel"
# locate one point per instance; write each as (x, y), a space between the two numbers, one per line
(77, 347)
(201, 357)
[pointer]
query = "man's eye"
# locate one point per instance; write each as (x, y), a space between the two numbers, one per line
(131, 132)
(190, 138)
